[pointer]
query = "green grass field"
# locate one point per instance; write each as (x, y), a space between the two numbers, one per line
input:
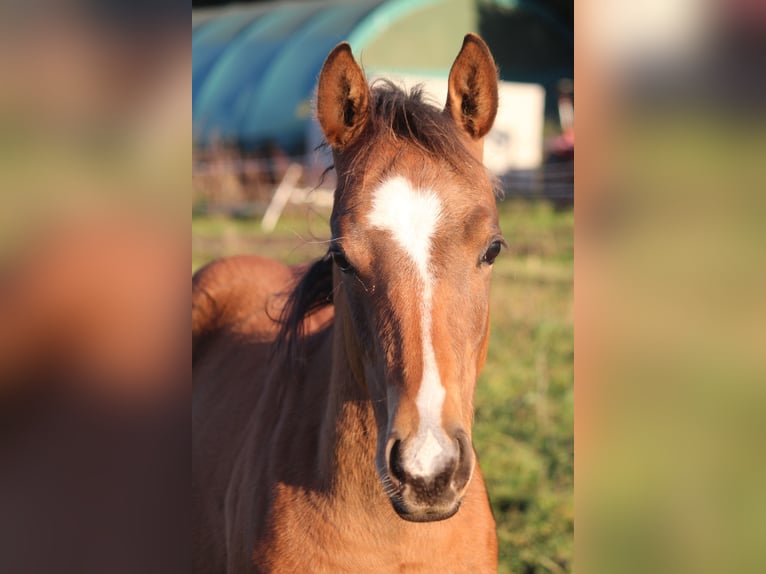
(524, 428)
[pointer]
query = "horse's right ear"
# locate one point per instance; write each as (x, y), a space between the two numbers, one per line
(343, 97)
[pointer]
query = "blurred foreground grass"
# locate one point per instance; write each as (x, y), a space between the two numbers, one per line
(524, 427)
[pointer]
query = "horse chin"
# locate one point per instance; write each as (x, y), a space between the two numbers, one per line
(424, 514)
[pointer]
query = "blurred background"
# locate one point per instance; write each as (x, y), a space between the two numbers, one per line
(94, 279)
(96, 125)
(670, 286)
(257, 188)
(255, 67)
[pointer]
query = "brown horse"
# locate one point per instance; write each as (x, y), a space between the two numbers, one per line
(332, 425)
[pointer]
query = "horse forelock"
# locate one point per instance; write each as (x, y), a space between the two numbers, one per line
(398, 116)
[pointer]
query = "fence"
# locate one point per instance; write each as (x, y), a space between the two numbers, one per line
(230, 183)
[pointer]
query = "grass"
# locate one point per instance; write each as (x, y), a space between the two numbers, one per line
(524, 427)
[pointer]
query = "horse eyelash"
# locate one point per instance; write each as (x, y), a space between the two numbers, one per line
(331, 296)
(366, 289)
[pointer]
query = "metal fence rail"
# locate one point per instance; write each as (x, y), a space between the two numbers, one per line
(553, 181)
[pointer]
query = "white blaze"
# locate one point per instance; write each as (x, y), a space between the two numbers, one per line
(411, 216)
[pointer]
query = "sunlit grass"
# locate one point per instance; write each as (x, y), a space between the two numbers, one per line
(524, 400)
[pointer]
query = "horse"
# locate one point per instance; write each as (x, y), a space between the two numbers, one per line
(333, 403)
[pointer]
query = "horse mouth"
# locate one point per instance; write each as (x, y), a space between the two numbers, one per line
(424, 514)
(409, 506)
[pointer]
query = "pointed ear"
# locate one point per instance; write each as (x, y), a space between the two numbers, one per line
(472, 92)
(343, 97)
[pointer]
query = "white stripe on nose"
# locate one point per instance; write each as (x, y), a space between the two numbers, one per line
(411, 216)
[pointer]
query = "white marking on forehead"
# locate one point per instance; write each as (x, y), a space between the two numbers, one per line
(412, 216)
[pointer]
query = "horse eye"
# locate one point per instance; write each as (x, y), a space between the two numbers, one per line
(340, 260)
(492, 252)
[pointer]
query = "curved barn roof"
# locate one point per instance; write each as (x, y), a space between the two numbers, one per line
(254, 67)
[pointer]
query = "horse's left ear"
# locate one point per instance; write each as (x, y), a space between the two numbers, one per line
(472, 92)
(343, 97)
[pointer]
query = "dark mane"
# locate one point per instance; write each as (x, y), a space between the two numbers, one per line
(312, 292)
(394, 115)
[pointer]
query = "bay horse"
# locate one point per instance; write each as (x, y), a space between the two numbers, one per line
(332, 419)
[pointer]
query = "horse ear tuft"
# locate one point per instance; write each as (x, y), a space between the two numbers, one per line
(343, 97)
(472, 92)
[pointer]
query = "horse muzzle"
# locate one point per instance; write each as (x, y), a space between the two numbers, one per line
(429, 492)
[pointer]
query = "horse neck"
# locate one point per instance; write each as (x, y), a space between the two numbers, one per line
(348, 431)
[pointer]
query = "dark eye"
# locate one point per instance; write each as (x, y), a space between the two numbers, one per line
(340, 260)
(492, 251)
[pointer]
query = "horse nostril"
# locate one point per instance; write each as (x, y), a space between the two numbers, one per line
(464, 468)
(395, 461)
